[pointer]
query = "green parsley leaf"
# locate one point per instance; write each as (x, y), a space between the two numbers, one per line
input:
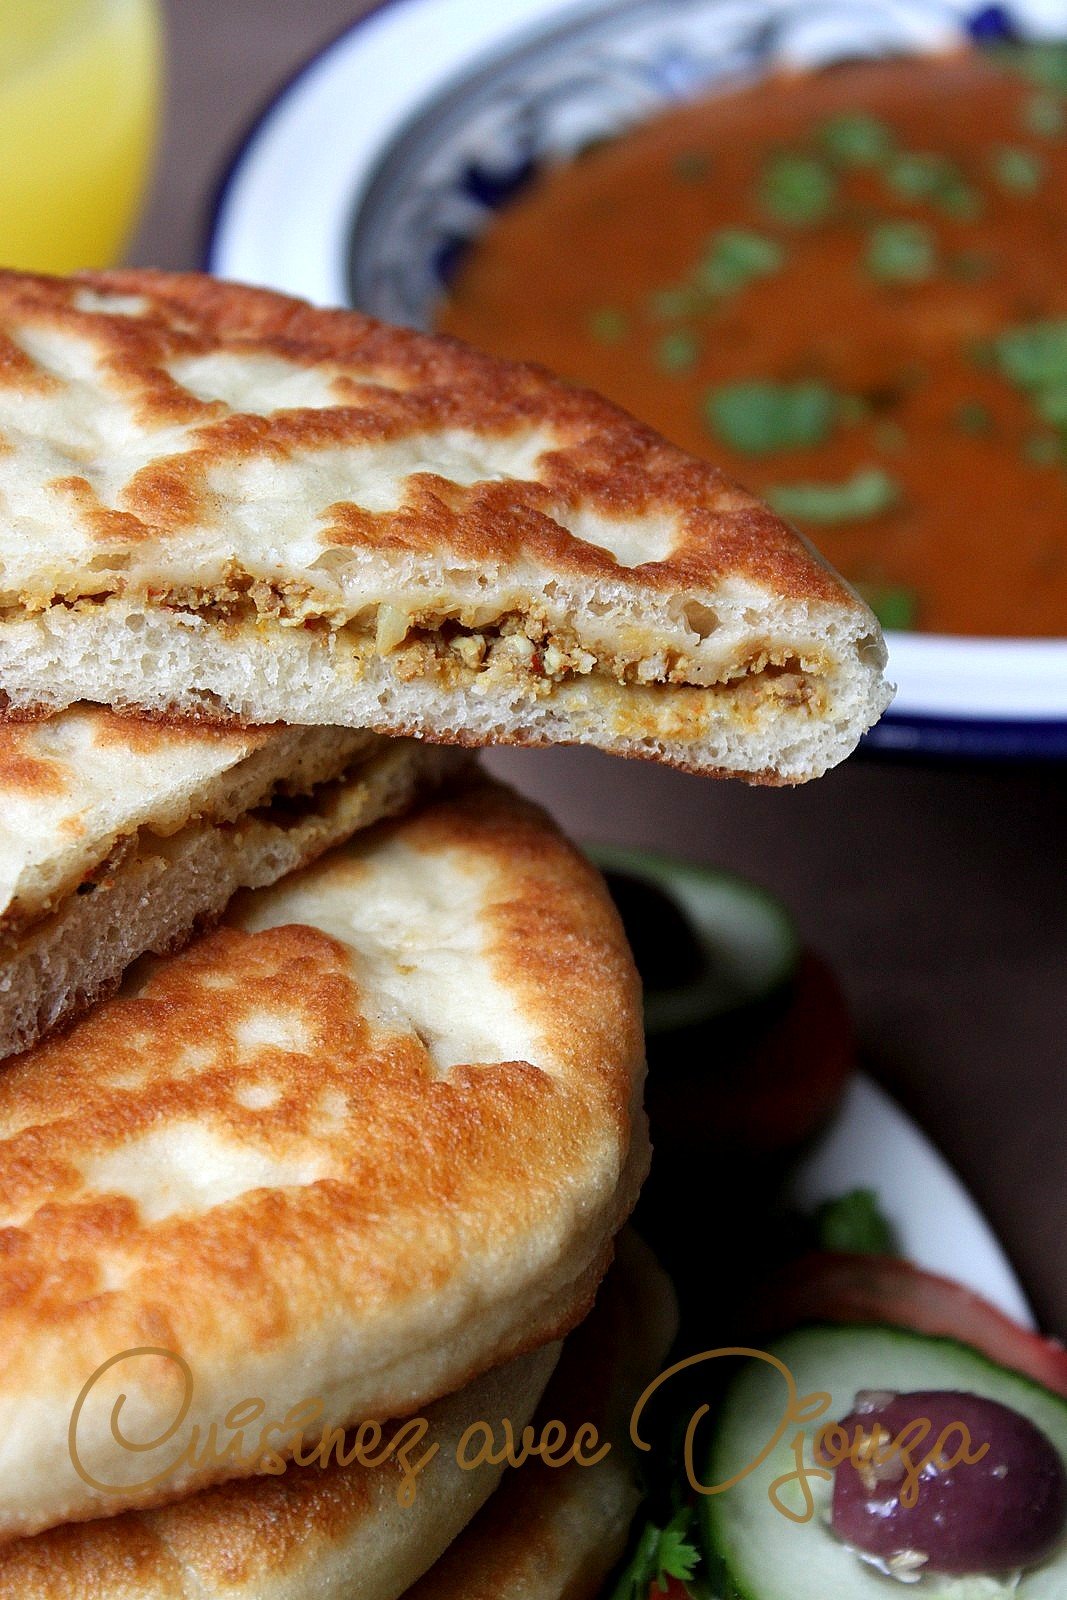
(1034, 359)
(677, 351)
(676, 1555)
(1050, 404)
(852, 1222)
(1044, 116)
(901, 252)
(919, 177)
(660, 1554)
(933, 179)
(868, 493)
(692, 166)
(759, 416)
(797, 189)
(608, 325)
(973, 417)
(1033, 356)
(735, 257)
(1019, 171)
(854, 139)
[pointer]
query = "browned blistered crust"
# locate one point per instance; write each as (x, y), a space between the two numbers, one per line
(236, 1536)
(552, 1531)
(492, 1147)
(392, 383)
(25, 774)
(28, 774)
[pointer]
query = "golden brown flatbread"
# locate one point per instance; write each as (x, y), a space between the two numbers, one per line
(554, 1533)
(308, 1532)
(220, 501)
(343, 1531)
(372, 1136)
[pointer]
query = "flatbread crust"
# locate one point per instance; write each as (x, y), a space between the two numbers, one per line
(315, 1531)
(555, 1533)
(120, 836)
(309, 1532)
(224, 502)
(370, 1137)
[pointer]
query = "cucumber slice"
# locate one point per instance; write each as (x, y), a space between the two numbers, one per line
(742, 944)
(761, 1554)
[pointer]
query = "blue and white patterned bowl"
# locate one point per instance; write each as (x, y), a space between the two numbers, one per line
(378, 163)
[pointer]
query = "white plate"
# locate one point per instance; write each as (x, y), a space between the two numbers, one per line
(871, 1144)
(350, 183)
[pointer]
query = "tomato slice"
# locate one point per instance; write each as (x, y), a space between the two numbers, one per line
(825, 1287)
(675, 1590)
(755, 1085)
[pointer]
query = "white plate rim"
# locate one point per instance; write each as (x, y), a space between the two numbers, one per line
(872, 1144)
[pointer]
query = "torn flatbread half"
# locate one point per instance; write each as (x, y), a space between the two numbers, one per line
(222, 502)
(120, 836)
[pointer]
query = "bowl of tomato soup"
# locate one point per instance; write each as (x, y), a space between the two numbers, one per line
(824, 246)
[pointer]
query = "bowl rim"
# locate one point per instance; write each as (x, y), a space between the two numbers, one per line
(1018, 709)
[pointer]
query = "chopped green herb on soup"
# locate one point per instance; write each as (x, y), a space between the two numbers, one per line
(761, 417)
(867, 493)
(849, 290)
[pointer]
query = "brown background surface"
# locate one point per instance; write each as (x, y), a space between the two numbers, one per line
(940, 893)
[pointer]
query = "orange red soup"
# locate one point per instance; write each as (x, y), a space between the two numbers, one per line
(847, 288)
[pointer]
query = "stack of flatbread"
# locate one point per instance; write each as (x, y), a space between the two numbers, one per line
(322, 1108)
